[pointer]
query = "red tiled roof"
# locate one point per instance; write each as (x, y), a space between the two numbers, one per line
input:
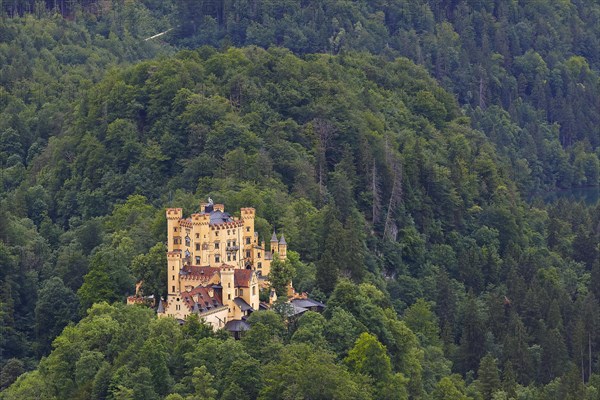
(242, 277)
(204, 271)
(205, 300)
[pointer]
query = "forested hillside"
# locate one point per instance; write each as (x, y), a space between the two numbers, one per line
(527, 72)
(400, 189)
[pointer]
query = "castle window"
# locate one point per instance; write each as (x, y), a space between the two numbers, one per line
(197, 246)
(253, 290)
(258, 254)
(259, 265)
(234, 256)
(173, 289)
(233, 231)
(197, 260)
(241, 292)
(173, 277)
(197, 236)
(236, 292)
(175, 229)
(247, 240)
(247, 229)
(228, 232)
(228, 257)
(173, 268)
(217, 233)
(247, 253)
(229, 297)
(217, 258)
(216, 245)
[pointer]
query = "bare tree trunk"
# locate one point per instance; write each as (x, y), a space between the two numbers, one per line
(582, 367)
(390, 229)
(324, 130)
(481, 92)
(376, 208)
(589, 355)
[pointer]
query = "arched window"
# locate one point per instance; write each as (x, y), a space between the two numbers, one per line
(187, 241)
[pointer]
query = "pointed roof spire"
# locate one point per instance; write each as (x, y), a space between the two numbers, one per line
(282, 240)
(161, 308)
(274, 237)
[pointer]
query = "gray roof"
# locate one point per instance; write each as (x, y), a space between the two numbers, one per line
(274, 236)
(307, 303)
(241, 303)
(219, 217)
(237, 326)
(297, 310)
(161, 308)
(196, 309)
(282, 240)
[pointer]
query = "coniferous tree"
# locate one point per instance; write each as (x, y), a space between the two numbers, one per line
(471, 340)
(488, 376)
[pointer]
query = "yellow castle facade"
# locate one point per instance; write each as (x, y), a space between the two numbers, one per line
(215, 264)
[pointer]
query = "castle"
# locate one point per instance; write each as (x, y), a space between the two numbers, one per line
(215, 264)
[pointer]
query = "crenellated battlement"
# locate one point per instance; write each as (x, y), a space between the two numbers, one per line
(175, 254)
(186, 223)
(200, 219)
(247, 212)
(174, 213)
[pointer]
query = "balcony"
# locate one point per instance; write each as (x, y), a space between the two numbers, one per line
(232, 248)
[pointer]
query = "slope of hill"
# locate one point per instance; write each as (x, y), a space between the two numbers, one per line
(526, 72)
(401, 204)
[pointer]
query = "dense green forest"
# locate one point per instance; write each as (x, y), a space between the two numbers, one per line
(394, 143)
(526, 72)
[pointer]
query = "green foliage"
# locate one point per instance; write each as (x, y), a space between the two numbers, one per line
(310, 373)
(109, 277)
(400, 197)
(55, 308)
(369, 357)
(447, 389)
(281, 275)
(150, 270)
(488, 377)
(310, 329)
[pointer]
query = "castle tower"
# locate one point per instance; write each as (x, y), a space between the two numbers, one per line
(201, 228)
(247, 215)
(174, 238)
(273, 242)
(174, 263)
(228, 284)
(282, 248)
